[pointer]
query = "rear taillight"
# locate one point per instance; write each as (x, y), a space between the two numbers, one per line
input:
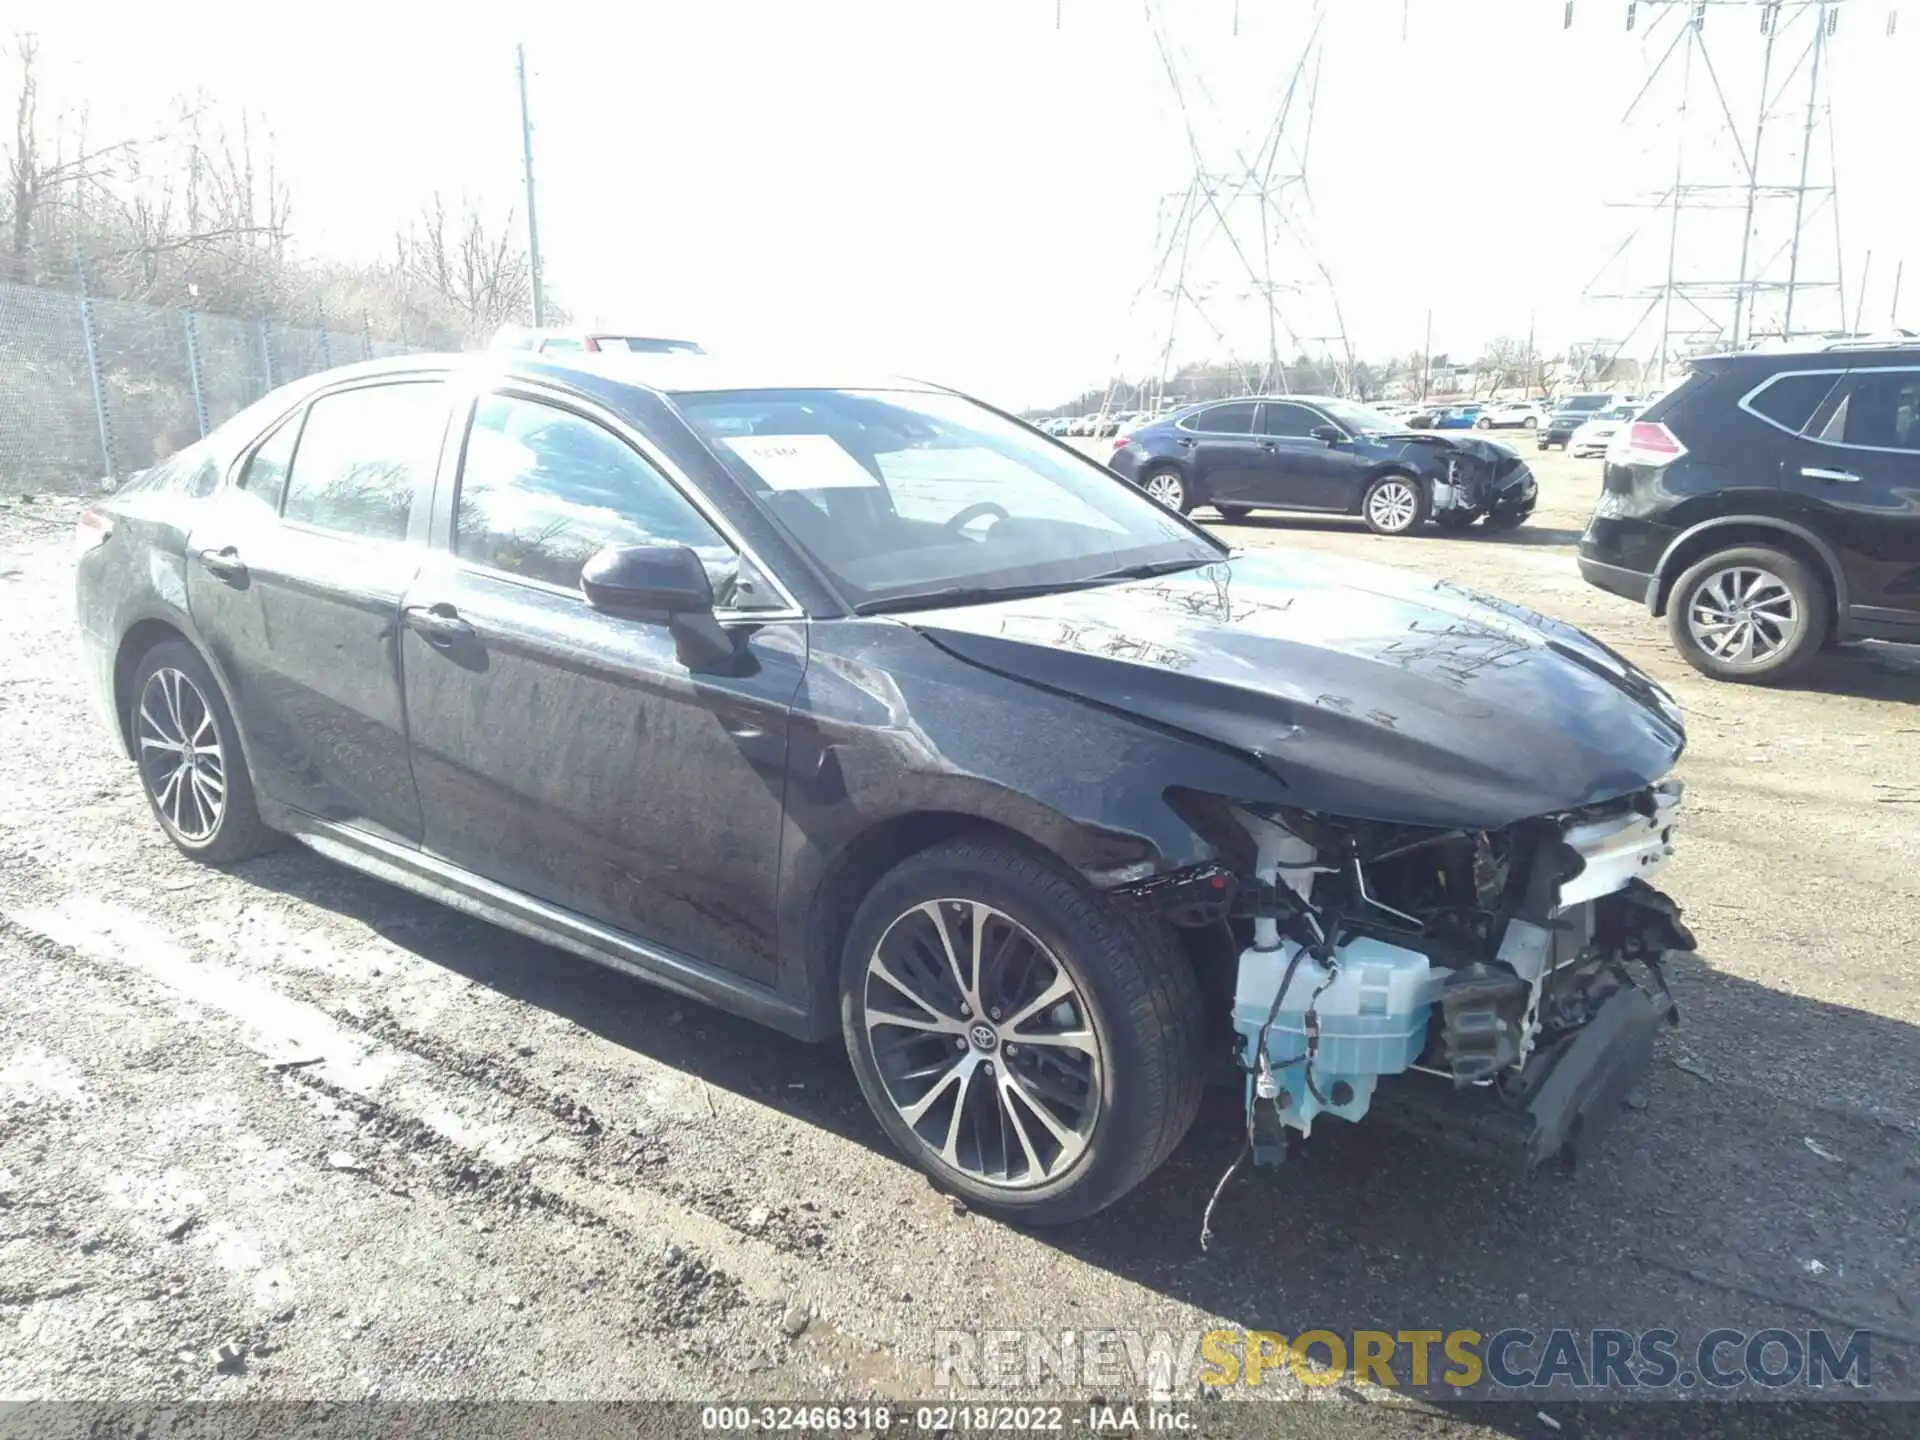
(91, 531)
(1644, 442)
(1122, 441)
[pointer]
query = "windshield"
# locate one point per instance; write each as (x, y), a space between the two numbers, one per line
(1359, 419)
(1579, 404)
(903, 496)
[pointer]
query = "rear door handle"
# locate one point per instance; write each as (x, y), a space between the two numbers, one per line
(1837, 477)
(224, 563)
(440, 624)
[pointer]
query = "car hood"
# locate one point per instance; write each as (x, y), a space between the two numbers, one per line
(1370, 692)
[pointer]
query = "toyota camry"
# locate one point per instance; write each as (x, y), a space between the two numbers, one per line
(867, 711)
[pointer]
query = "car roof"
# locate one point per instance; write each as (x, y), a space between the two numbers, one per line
(666, 374)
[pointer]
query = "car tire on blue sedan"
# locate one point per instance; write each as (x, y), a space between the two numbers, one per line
(1169, 487)
(1035, 1048)
(1395, 504)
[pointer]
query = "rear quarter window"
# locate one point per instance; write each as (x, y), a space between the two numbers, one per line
(1790, 401)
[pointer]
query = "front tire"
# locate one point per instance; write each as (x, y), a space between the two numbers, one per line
(188, 753)
(1394, 504)
(1169, 487)
(1483, 423)
(1532, 422)
(1035, 1049)
(1750, 614)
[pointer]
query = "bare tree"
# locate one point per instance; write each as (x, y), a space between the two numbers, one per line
(138, 215)
(482, 272)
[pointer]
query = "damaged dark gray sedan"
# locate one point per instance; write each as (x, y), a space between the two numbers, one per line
(866, 711)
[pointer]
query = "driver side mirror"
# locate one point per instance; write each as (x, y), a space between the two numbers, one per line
(654, 582)
(1332, 434)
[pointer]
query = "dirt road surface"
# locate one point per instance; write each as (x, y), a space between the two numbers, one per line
(373, 1148)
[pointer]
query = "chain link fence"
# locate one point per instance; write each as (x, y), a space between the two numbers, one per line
(91, 388)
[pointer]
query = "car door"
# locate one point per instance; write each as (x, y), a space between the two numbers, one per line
(1224, 452)
(568, 753)
(1303, 471)
(1856, 473)
(294, 585)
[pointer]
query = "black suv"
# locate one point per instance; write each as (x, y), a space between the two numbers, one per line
(1768, 506)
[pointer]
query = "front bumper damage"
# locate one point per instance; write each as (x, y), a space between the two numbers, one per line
(1500, 992)
(1481, 478)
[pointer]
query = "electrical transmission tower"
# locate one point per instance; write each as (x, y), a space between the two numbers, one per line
(1742, 238)
(1236, 274)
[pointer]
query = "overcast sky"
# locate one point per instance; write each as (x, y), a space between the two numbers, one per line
(957, 188)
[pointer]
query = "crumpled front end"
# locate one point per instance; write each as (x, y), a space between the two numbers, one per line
(1480, 478)
(1498, 989)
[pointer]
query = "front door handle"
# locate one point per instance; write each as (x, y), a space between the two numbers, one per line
(224, 564)
(1836, 477)
(440, 624)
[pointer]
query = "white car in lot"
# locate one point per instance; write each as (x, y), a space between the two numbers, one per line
(1592, 437)
(1511, 414)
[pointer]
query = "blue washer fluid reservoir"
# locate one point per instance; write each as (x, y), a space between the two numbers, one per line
(1373, 1004)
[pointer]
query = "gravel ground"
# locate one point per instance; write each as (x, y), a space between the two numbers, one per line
(283, 1132)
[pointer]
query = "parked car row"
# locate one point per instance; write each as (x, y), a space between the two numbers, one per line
(1104, 425)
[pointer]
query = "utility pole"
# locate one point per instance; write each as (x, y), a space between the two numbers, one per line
(533, 223)
(1860, 300)
(1526, 362)
(1893, 309)
(1426, 357)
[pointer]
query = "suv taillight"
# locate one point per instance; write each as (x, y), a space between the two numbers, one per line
(91, 531)
(1644, 442)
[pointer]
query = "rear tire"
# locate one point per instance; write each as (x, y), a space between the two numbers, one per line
(1749, 614)
(1394, 504)
(187, 750)
(1168, 486)
(1116, 1057)
(1483, 423)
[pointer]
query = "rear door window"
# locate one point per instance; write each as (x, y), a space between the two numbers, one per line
(1880, 410)
(1225, 420)
(364, 455)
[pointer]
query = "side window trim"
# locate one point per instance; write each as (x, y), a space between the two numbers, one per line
(469, 408)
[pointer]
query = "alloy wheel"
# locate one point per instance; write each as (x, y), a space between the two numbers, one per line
(1742, 615)
(181, 761)
(1167, 489)
(983, 1043)
(1392, 505)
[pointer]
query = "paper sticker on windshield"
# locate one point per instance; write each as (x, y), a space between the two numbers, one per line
(803, 462)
